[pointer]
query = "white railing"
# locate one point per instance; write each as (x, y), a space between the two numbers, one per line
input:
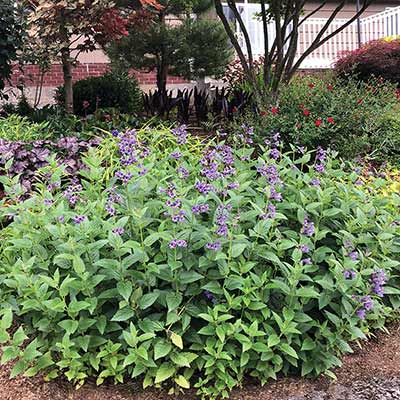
(386, 23)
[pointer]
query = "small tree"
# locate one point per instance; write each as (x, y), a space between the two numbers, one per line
(63, 29)
(280, 62)
(187, 47)
(11, 33)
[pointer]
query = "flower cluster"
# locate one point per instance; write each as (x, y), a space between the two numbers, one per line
(200, 208)
(113, 198)
(217, 163)
(367, 304)
(177, 243)
(78, 219)
(271, 173)
(308, 228)
(71, 193)
(180, 133)
(320, 160)
(378, 281)
(118, 231)
(247, 134)
(221, 217)
(274, 145)
(174, 204)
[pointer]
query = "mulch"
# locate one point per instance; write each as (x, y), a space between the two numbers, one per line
(374, 368)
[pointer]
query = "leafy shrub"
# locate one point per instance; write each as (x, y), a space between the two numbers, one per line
(379, 58)
(195, 269)
(348, 116)
(116, 90)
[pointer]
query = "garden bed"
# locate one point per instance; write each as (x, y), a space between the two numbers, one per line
(372, 372)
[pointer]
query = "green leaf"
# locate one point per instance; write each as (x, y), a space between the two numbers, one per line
(237, 249)
(308, 344)
(189, 277)
(177, 340)
(220, 333)
(173, 301)
(18, 368)
(161, 349)
(273, 340)
(19, 336)
(9, 353)
(165, 371)
(151, 239)
(182, 382)
(307, 292)
(148, 300)
(78, 265)
(286, 348)
(123, 315)
(125, 290)
(69, 326)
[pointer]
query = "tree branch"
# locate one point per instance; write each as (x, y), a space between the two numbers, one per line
(318, 42)
(232, 37)
(237, 15)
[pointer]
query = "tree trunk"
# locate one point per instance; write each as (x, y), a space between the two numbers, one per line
(67, 72)
(66, 64)
(162, 73)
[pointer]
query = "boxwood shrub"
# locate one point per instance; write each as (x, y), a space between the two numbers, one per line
(112, 90)
(195, 269)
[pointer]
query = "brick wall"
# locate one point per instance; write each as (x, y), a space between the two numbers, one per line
(54, 77)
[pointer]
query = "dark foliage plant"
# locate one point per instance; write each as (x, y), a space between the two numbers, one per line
(187, 268)
(23, 160)
(379, 58)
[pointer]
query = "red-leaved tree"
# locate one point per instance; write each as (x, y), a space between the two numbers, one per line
(62, 29)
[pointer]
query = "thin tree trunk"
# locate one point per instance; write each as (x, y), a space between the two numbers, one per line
(67, 72)
(162, 74)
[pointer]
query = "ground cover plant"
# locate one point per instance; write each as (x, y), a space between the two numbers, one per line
(183, 263)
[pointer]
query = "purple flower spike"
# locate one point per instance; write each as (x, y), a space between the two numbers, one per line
(367, 303)
(308, 228)
(176, 155)
(214, 246)
(361, 313)
(378, 280)
(304, 248)
(306, 261)
(118, 231)
(177, 243)
(78, 219)
(349, 274)
(353, 255)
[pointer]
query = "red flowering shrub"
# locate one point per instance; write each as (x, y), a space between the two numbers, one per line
(355, 118)
(378, 58)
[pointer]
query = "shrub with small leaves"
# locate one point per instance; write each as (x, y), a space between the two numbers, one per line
(379, 58)
(195, 269)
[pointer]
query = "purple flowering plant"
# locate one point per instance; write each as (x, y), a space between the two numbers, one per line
(158, 268)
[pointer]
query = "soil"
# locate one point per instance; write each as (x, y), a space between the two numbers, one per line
(371, 373)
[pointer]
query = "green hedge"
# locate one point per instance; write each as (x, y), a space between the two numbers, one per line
(112, 90)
